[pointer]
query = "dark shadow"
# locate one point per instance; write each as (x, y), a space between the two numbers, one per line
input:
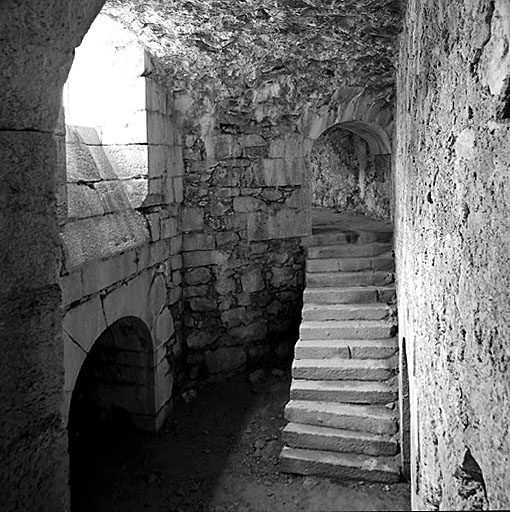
(110, 404)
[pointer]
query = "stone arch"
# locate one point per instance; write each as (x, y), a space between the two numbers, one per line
(144, 298)
(117, 375)
(349, 173)
(367, 120)
(365, 113)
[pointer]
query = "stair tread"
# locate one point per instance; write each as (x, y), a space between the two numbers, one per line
(350, 288)
(367, 462)
(337, 362)
(301, 428)
(369, 305)
(367, 411)
(341, 385)
(349, 273)
(328, 324)
(376, 342)
(357, 244)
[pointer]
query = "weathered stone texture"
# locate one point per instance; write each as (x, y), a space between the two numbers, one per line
(347, 176)
(453, 203)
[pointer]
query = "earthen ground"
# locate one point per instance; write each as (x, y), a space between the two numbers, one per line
(219, 453)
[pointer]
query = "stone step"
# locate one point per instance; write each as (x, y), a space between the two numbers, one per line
(348, 250)
(347, 391)
(370, 278)
(328, 235)
(374, 419)
(346, 349)
(382, 262)
(350, 295)
(312, 437)
(347, 329)
(375, 311)
(344, 369)
(339, 465)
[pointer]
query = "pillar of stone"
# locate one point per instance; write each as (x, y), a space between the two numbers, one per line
(36, 51)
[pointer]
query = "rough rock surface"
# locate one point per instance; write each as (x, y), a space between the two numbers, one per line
(452, 173)
(346, 176)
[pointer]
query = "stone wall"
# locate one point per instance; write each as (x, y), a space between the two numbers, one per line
(121, 233)
(453, 224)
(242, 252)
(347, 176)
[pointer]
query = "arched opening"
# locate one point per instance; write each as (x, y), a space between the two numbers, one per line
(113, 399)
(350, 171)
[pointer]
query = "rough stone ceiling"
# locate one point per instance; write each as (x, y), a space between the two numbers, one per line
(227, 48)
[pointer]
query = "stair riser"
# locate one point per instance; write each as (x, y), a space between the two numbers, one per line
(304, 467)
(350, 279)
(356, 423)
(339, 444)
(350, 264)
(304, 352)
(351, 238)
(375, 374)
(349, 296)
(346, 332)
(344, 396)
(348, 251)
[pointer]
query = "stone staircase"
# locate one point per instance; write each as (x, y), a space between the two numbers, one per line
(342, 413)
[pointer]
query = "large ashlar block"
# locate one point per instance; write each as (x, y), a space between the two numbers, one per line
(192, 219)
(97, 237)
(291, 147)
(129, 299)
(157, 159)
(151, 254)
(83, 201)
(276, 172)
(163, 383)
(285, 223)
(82, 166)
(159, 129)
(163, 327)
(98, 275)
(85, 322)
(155, 96)
(74, 355)
(175, 163)
(71, 286)
(131, 128)
(121, 161)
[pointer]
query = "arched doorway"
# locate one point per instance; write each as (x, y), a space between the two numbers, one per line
(112, 401)
(350, 171)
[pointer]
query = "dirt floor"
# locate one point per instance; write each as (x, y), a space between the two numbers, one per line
(219, 453)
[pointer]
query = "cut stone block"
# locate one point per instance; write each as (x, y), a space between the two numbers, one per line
(343, 369)
(312, 437)
(348, 250)
(371, 278)
(348, 391)
(348, 329)
(327, 236)
(346, 311)
(382, 262)
(341, 466)
(348, 349)
(361, 418)
(349, 295)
